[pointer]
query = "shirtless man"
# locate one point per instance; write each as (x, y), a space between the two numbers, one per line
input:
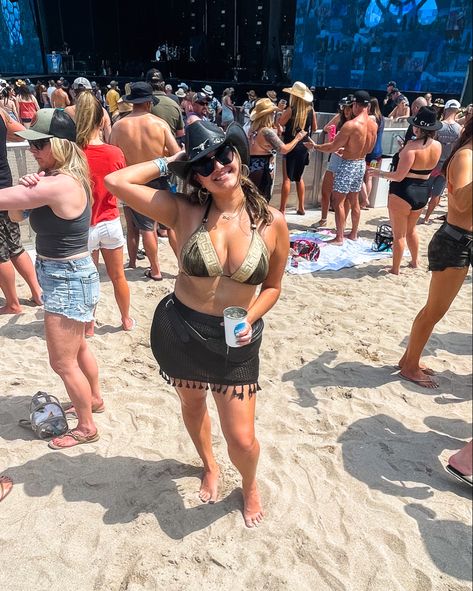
(81, 85)
(143, 137)
(356, 139)
(59, 98)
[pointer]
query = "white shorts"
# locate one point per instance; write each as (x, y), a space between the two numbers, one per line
(108, 234)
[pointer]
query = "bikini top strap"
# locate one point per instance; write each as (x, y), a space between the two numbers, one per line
(206, 214)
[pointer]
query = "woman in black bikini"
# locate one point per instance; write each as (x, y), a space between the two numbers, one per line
(229, 242)
(409, 189)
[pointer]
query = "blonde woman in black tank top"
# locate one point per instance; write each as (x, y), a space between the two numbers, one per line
(66, 272)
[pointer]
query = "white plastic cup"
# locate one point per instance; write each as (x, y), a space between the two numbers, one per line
(234, 320)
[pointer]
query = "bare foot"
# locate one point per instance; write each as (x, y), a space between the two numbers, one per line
(335, 241)
(208, 492)
(98, 407)
(427, 370)
(419, 377)
(11, 310)
(352, 236)
(252, 510)
(393, 271)
(128, 324)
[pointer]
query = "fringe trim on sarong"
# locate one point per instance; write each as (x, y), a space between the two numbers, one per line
(237, 390)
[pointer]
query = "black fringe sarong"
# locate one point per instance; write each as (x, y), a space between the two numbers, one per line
(191, 351)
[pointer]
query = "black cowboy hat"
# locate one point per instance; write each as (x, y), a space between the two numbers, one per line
(203, 137)
(426, 118)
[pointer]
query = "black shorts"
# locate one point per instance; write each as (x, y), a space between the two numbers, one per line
(444, 251)
(191, 352)
(10, 238)
(296, 161)
(415, 191)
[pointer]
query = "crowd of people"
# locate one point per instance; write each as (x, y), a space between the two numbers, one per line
(184, 169)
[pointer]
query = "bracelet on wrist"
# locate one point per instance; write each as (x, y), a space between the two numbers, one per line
(162, 164)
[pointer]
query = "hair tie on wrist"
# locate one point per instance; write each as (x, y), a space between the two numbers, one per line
(162, 164)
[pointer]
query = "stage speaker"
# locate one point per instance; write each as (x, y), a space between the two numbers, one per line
(467, 92)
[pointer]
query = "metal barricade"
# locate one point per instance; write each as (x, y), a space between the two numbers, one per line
(21, 162)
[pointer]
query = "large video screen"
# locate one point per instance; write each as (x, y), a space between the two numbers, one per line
(423, 45)
(20, 50)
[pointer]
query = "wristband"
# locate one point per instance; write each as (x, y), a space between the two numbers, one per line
(162, 164)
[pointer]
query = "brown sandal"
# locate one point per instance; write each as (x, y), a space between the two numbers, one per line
(4, 491)
(78, 439)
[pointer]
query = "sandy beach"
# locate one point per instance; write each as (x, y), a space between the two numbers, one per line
(351, 469)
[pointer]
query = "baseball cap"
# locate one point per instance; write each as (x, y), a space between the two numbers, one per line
(362, 97)
(391, 83)
(81, 81)
(201, 98)
(50, 123)
(452, 104)
(184, 86)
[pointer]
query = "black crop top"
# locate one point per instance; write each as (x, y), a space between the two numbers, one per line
(395, 162)
(57, 238)
(199, 258)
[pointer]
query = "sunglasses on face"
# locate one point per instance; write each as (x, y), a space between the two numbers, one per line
(38, 144)
(205, 167)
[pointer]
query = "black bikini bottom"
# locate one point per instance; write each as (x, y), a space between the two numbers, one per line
(191, 351)
(415, 191)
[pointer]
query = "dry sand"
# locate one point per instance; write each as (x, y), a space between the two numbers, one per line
(351, 469)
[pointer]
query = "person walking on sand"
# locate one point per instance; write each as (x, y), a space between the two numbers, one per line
(232, 249)
(142, 136)
(357, 139)
(450, 256)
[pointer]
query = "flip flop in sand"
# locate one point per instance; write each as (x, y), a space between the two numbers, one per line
(76, 439)
(6, 484)
(69, 410)
(463, 477)
(149, 276)
(428, 382)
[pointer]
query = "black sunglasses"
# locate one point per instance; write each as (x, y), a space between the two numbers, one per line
(38, 144)
(205, 166)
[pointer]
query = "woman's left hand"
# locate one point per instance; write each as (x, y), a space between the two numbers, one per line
(30, 180)
(243, 337)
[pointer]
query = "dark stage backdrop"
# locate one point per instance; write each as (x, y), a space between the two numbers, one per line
(424, 45)
(20, 49)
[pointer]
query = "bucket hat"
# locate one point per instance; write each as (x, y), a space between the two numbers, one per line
(140, 92)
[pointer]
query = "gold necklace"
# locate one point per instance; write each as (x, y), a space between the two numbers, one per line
(235, 213)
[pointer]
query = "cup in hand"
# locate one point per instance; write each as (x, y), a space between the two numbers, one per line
(234, 320)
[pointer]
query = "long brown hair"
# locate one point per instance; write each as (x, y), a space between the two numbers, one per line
(375, 110)
(89, 115)
(462, 141)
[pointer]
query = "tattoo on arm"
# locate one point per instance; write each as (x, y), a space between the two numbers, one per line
(271, 137)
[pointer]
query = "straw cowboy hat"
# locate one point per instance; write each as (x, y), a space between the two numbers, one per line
(262, 108)
(271, 94)
(300, 90)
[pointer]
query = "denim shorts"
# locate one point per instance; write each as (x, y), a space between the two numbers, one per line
(70, 288)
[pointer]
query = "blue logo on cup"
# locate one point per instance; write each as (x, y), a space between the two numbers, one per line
(239, 327)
